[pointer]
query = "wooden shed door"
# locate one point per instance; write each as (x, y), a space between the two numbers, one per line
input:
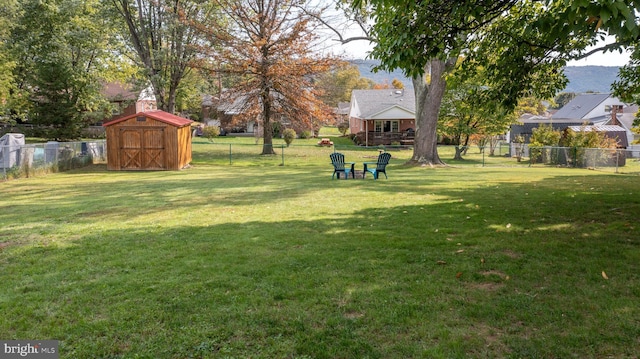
(142, 148)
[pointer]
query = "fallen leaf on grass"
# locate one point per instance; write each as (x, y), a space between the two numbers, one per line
(458, 275)
(604, 275)
(441, 263)
(508, 225)
(460, 251)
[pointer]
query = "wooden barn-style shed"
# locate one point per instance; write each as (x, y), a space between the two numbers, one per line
(151, 140)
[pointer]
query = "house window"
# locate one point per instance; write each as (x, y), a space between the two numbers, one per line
(387, 126)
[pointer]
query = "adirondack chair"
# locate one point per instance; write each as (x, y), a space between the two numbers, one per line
(340, 166)
(377, 167)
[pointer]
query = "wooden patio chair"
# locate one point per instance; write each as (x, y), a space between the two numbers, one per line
(340, 166)
(378, 167)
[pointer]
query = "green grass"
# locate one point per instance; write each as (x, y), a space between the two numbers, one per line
(259, 260)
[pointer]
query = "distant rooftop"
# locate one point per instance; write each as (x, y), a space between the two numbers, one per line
(372, 102)
(580, 106)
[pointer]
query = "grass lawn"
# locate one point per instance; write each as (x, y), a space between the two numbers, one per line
(256, 260)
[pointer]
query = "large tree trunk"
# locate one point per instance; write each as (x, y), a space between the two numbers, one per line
(458, 155)
(158, 92)
(267, 145)
(428, 100)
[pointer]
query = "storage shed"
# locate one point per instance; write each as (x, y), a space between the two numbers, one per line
(151, 140)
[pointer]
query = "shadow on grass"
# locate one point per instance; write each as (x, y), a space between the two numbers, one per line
(483, 268)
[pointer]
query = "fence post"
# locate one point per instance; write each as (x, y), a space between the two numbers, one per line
(230, 154)
(617, 159)
(575, 157)
(282, 148)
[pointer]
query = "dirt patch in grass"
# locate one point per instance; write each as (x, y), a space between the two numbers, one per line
(497, 277)
(490, 287)
(492, 338)
(4, 245)
(353, 315)
(498, 273)
(511, 254)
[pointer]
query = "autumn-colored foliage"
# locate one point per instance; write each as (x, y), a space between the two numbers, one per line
(266, 49)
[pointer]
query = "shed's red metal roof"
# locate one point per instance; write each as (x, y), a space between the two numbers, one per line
(161, 116)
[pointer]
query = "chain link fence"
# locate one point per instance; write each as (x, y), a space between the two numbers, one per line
(33, 159)
(17, 161)
(505, 155)
(625, 160)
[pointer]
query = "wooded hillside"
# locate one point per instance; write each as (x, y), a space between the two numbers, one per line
(581, 78)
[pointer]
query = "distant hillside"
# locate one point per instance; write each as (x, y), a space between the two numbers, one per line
(590, 78)
(581, 78)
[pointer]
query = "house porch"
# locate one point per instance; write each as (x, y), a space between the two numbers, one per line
(372, 138)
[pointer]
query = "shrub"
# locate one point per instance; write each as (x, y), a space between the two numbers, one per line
(585, 139)
(94, 132)
(343, 128)
(543, 136)
(276, 127)
(305, 134)
(210, 132)
(289, 135)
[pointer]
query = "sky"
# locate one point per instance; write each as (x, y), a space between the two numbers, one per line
(359, 49)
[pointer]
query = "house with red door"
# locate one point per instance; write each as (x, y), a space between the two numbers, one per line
(383, 117)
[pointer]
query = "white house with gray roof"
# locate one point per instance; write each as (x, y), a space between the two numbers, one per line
(592, 107)
(383, 116)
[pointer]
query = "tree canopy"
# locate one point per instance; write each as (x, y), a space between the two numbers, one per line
(521, 45)
(466, 113)
(268, 46)
(160, 35)
(60, 51)
(338, 83)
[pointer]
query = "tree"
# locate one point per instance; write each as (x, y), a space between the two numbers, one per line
(189, 95)
(563, 98)
(338, 83)
(424, 40)
(8, 13)
(61, 51)
(518, 43)
(395, 84)
(268, 46)
(465, 113)
(531, 105)
(160, 34)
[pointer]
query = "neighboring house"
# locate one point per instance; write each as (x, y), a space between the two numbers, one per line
(593, 107)
(342, 111)
(128, 101)
(382, 117)
(625, 120)
(585, 109)
(231, 112)
(525, 126)
(227, 109)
